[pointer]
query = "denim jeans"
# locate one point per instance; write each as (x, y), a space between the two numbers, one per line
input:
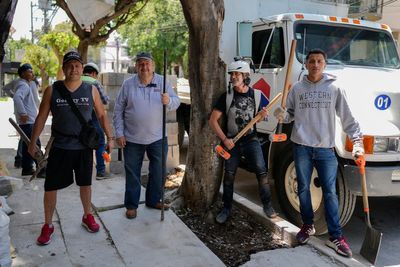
(100, 166)
(325, 162)
(250, 148)
(18, 157)
(27, 160)
(133, 156)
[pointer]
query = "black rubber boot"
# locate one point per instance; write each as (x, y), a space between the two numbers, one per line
(265, 196)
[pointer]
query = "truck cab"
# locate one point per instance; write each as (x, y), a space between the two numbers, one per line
(363, 57)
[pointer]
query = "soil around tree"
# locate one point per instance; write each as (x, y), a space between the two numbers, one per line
(234, 241)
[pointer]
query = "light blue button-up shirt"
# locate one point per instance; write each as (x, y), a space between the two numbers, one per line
(138, 110)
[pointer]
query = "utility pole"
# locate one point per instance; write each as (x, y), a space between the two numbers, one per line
(31, 22)
(117, 46)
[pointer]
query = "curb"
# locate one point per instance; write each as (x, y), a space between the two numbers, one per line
(286, 231)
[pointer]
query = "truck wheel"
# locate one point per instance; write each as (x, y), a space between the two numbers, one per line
(286, 186)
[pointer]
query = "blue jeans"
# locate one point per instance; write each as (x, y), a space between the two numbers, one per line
(100, 166)
(324, 160)
(250, 148)
(133, 155)
(27, 160)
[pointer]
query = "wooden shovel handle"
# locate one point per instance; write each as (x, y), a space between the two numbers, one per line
(286, 86)
(360, 161)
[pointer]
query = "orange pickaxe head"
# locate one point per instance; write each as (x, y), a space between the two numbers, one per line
(222, 152)
(106, 156)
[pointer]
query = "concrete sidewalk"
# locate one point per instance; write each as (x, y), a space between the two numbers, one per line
(144, 241)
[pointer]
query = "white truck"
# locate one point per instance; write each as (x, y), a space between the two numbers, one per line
(364, 57)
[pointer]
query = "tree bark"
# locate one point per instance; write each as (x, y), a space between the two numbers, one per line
(83, 49)
(207, 82)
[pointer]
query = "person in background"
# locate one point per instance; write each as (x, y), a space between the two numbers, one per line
(313, 104)
(26, 102)
(90, 74)
(138, 127)
(9, 89)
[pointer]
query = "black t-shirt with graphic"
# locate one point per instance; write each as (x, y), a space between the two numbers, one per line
(240, 113)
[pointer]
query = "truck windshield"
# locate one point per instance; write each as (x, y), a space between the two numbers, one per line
(347, 45)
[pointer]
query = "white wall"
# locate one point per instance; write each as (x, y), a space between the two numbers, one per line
(249, 10)
(390, 16)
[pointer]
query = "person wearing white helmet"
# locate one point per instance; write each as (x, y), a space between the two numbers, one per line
(240, 107)
(90, 73)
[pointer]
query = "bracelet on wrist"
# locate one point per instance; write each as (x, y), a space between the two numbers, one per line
(223, 140)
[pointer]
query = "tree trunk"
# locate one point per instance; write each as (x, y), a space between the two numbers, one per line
(83, 49)
(207, 82)
(45, 79)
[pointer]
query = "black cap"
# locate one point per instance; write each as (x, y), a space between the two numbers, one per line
(72, 55)
(23, 68)
(144, 55)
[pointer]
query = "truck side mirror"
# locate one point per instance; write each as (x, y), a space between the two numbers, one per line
(244, 38)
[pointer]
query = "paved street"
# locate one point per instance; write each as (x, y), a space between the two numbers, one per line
(385, 216)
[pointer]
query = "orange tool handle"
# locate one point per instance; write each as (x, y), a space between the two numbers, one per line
(106, 157)
(360, 161)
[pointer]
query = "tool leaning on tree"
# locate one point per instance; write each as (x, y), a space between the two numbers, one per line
(39, 157)
(223, 152)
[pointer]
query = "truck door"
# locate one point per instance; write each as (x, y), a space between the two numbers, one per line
(268, 55)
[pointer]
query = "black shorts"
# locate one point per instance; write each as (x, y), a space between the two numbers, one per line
(62, 164)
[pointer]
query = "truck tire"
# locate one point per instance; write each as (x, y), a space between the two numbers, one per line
(286, 187)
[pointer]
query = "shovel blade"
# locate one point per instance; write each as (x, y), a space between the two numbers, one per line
(371, 245)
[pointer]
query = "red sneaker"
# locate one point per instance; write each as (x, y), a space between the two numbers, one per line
(340, 246)
(305, 232)
(90, 224)
(45, 235)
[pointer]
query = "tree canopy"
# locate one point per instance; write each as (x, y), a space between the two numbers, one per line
(12, 46)
(43, 61)
(61, 39)
(161, 25)
(100, 31)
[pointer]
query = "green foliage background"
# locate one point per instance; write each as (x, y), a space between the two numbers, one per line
(161, 25)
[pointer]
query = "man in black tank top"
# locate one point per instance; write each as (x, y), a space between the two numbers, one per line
(69, 157)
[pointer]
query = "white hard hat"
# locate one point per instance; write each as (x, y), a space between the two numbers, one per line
(239, 66)
(91, 65)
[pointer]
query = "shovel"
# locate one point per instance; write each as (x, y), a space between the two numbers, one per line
(372, 240)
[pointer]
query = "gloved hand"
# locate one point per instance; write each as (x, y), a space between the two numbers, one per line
(358, 149)
(280, 113)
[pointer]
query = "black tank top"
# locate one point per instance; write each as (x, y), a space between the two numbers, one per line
(65, 125)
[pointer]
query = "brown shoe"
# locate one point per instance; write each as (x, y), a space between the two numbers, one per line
(131, 213)
(159, 206)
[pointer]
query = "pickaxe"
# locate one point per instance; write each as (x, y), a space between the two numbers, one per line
(223, 152)
(279, 136)
(41, 159)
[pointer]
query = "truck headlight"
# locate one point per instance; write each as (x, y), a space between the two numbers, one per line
(381, 144)
(374, 144)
